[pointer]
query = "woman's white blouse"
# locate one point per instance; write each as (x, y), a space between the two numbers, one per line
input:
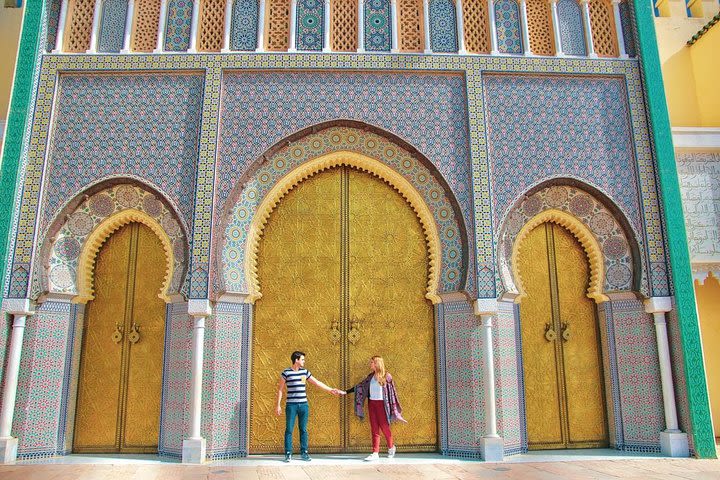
(375, 389)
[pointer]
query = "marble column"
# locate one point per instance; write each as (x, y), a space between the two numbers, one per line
(491, 443)
(20, 309)
(194, 447)
(673, 442)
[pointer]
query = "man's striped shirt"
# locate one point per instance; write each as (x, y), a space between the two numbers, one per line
(296, 382)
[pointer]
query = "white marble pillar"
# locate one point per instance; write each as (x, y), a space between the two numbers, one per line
(61, 27)
(673, 442)
(293, 26)
(361, 26)
(326, 27)
(228, 26)
(491, 443)
(128, 26)
(20, 309)
(426, 26)
(194, 26)
(493, 28)
(95, 35)
(394, 26)
(556, 29)
(618, 29)
(459, 23)
(588, 29)
(160, 47)
(194, 447)
(261, 27)
(524, 26)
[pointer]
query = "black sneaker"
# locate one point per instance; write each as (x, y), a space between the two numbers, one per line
(288, 457)
(305, 456)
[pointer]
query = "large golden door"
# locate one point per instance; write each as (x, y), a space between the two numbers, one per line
(120, 384)
(564, 396)
(343, 270)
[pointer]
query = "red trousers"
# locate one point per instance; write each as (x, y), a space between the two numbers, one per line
(378, 421)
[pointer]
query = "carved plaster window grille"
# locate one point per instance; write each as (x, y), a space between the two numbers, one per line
(475, 25)
(212, 25)
(278, 25)
(344, 22)
(410, 13)
(602, 22)
(80, 13)
(145, 26)
(540, 27)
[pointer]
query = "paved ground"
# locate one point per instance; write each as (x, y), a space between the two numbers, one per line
(600, 465)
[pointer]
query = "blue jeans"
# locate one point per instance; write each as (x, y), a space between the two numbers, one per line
(302, 412)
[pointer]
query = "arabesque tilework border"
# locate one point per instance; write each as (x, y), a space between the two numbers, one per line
(215, 64)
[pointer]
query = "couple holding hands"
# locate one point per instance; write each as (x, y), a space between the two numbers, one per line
(378, 388)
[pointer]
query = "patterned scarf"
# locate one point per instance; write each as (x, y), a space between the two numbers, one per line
(393, 410)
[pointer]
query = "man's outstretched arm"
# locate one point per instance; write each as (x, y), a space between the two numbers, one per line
(281, 387)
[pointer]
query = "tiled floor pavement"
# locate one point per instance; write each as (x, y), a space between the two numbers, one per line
(566, 465)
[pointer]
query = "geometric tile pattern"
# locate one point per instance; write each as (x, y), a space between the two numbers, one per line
(427, 111)
(179, 18)
(175, 411)
(638, 373)
(114, 126)
(377, 26)
(507, 24)
(463, 367)
(310, 25)
(112, 26)
(52, 8)
(223, 398)
(70, 239)
(570, 24)
(38, 408)
(617, 254)
(586, 135)
(443, 30)
(680, 382)
(509, 385)
(277, 166)
(243, 32)
(626, 21)
(214, 65)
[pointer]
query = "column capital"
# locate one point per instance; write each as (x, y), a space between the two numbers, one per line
(18, 306)
(658, 304)
(199, 307)
(485, 306)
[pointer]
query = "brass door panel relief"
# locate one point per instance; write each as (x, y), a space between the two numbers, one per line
(119, 389)
(565, 398)
(359, 259)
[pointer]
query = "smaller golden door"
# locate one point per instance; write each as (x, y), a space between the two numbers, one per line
(119, 390)
(564, 395)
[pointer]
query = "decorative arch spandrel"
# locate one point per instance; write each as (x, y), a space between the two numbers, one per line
(68, 262)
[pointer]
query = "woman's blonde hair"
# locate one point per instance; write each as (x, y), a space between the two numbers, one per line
(380, 372)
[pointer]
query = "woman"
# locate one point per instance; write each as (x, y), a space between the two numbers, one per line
(383, 405)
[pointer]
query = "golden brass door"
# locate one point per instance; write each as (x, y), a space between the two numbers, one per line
(343, 269)
(119, 390)
(564, 396)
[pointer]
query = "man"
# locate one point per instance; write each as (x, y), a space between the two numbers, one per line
(295, 379)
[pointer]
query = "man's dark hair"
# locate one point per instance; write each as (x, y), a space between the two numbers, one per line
(296, 356)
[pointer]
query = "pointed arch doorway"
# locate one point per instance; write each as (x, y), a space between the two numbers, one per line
(562, 363)
(120, 382)
(343, 265)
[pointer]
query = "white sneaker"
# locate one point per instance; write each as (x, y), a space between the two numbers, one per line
(391, 452)
(372, 457)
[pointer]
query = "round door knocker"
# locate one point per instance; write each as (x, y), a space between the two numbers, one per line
(550, 334)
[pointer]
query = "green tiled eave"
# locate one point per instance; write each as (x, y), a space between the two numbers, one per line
(18, 115)
(703, 437)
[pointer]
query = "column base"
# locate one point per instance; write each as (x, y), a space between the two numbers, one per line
(674, 444)
(492, 449)
(8, 449)
(194, 450)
